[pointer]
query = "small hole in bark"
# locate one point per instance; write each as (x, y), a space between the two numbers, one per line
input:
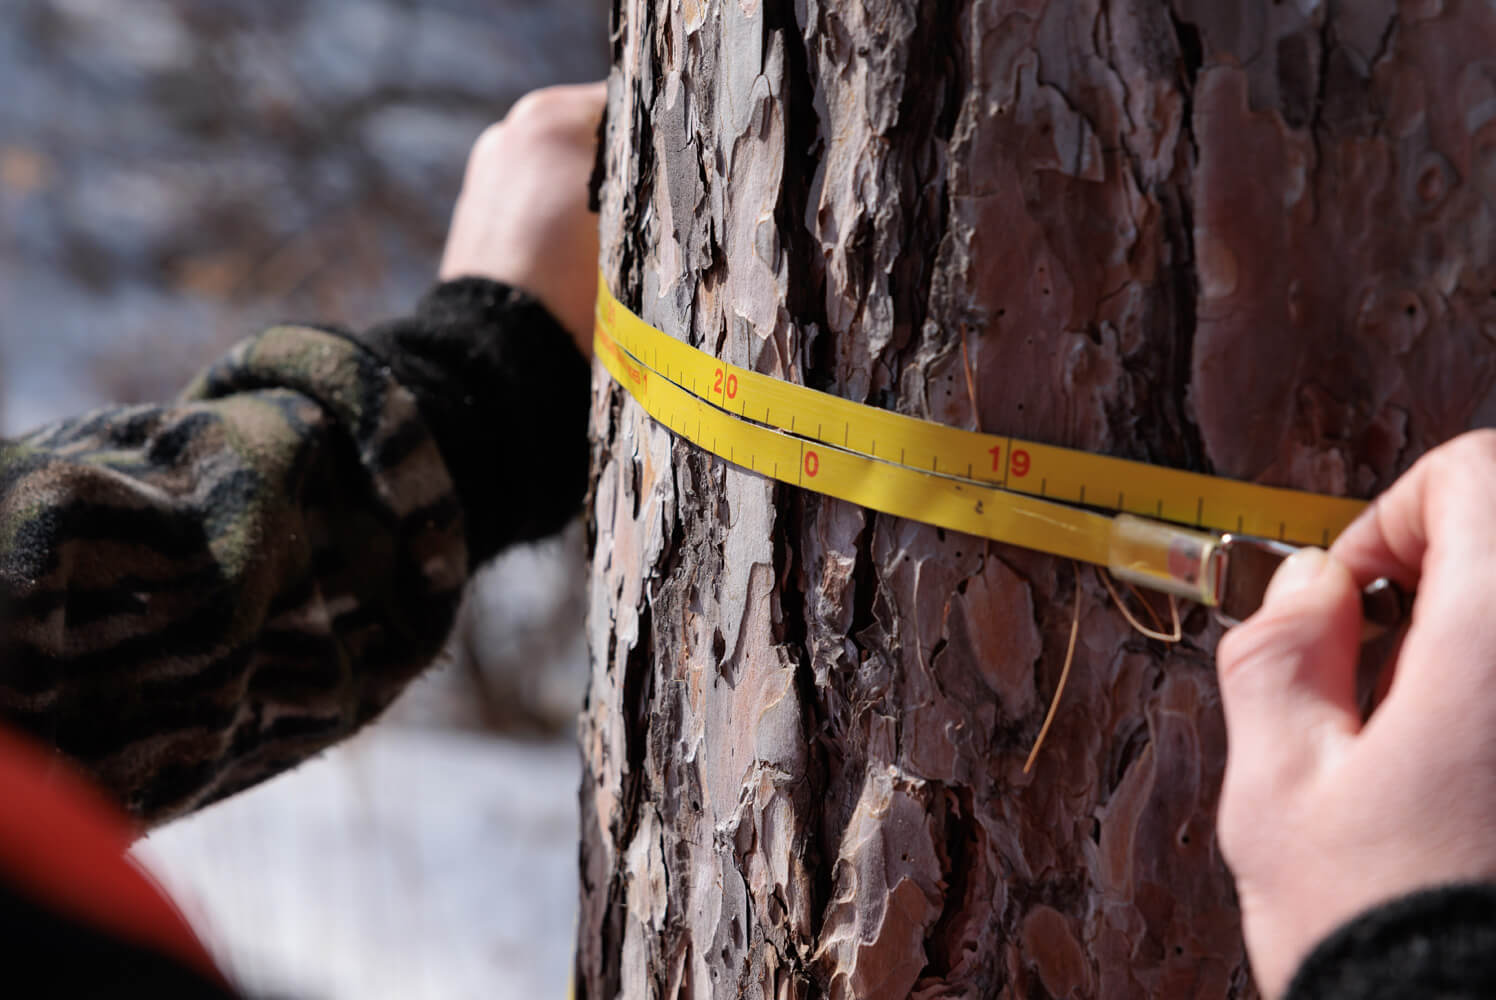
(1411, 310)
(1046, 291)
(1178, 950)
(1020, 407)
(1184, 839)
(961, 587)
(940, 533)
(1003, 312)
(1095, 831)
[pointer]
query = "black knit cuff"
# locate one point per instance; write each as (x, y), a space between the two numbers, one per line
(504, 391)
(1437, 943)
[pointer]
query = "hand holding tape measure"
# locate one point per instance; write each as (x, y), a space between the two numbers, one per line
(1211, 540)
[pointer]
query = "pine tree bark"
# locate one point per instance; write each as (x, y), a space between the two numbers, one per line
(1248, 237)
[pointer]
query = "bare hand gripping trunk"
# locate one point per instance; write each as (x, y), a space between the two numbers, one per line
(1227, 236)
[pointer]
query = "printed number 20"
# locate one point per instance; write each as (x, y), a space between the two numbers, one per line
(727, 387)
(1020, 461)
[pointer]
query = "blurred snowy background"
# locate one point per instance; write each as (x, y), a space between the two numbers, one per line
(175, 174)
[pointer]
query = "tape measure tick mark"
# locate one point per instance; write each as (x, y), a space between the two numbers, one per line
(905, 489)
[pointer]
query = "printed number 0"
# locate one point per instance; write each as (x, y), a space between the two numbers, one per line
(812, 463)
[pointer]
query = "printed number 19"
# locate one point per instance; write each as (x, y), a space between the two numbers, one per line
(1020, 461)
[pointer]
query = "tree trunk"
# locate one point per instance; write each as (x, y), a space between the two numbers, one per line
(1248, 237)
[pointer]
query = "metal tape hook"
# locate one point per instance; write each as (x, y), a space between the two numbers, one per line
(1229, 572)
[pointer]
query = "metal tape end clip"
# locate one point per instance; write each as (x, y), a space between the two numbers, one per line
(1251, 563)
(1229, 573)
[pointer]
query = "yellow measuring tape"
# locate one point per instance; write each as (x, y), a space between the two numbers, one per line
(1054, 500)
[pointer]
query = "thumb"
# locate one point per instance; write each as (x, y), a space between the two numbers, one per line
(1288, 673)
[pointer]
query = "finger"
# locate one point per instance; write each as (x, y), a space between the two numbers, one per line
(1387, 539)
(1436, 529)
(1442, 510)
(1288, 673)
(594, 93)
(579, 110)
(570, 111)
(589, 95)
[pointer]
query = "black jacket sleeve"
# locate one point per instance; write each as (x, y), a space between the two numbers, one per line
(196, 596)
(504, 390)
(1439, 944)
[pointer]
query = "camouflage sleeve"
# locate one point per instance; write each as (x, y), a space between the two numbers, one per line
(198, 596)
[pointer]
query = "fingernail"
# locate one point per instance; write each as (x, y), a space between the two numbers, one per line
(1297, 572)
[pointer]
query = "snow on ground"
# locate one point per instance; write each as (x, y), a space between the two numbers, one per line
(406, 864)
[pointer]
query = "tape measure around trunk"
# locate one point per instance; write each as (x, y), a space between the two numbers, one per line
(1038, 496)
